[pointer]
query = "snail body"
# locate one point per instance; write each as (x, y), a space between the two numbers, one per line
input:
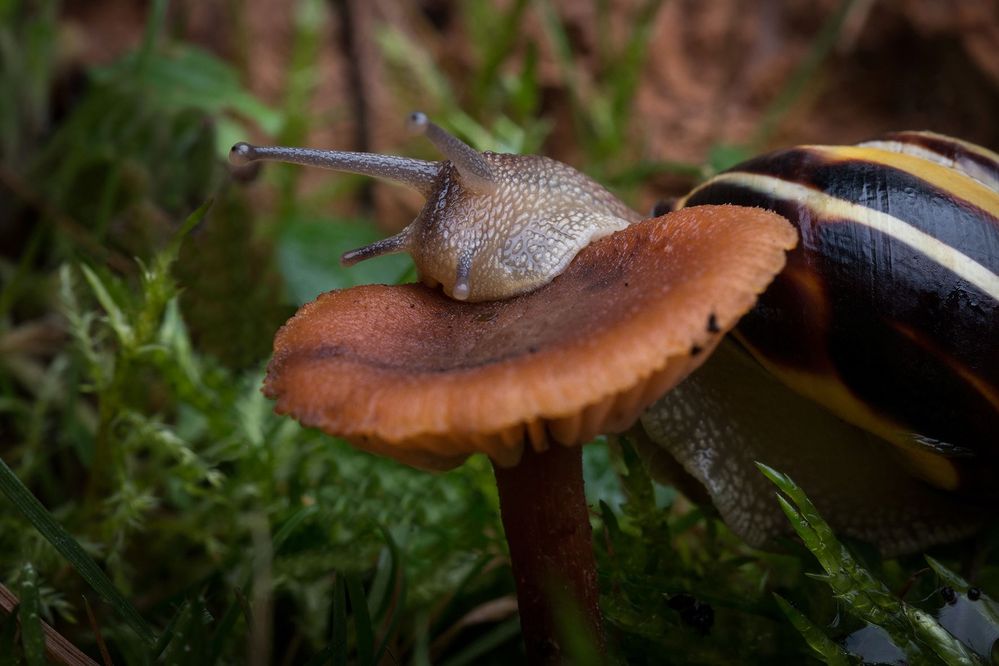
(887, 315)
(513, 238)
(494, 225)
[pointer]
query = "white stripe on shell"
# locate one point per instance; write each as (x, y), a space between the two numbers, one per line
(821, 203)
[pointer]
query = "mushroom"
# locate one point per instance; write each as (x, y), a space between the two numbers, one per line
(411, 373)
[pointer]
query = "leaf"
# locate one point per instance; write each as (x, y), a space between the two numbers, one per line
(116, 317)
(309, 257)
(190, 78)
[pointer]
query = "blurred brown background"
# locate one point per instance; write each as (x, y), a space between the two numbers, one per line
(711, 72)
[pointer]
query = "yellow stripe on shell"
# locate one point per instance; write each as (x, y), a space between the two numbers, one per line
(968, 166)
(955, 183)
(828, 390)
(821, 203)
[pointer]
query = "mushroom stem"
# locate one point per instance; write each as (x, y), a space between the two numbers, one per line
(547, 526)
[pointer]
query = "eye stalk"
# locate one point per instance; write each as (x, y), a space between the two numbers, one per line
(494, 225)
(416, 174)
(474, 171)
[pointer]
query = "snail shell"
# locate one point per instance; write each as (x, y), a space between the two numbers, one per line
(887, 315)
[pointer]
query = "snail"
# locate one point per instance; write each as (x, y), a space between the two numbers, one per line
(887, 316)
(882, 332)
(494, 225)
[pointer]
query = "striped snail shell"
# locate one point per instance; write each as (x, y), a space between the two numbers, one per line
(887, 315)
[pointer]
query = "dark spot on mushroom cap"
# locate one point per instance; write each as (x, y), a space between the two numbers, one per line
(431, 384)
(695, 350)
(713, 323)
(974, 594)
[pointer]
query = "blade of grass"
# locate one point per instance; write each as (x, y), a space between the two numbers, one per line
(442, 636)
(419, 654)
(321, 657)
(497, 49)
(116, 317)
(225, 626)
(339, 642)
(154, 28)
(289, 526)
(823, 646)
(72, 551)
(398, 578)
(489, 641)
(179, 626)
(383, 585)
(172, 250)
(626, 68)
(362, 621)
(32, 637)
(167, 634)
(239, 603)
(57, 647)
(185, 642)
(562, 48)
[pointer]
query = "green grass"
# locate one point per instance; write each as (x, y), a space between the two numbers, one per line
(143, 469)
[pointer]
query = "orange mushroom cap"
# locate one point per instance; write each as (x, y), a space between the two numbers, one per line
(406, 372)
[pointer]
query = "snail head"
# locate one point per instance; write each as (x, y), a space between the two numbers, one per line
(494, 225)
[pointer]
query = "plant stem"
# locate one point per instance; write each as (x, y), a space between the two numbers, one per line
(548, 529)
